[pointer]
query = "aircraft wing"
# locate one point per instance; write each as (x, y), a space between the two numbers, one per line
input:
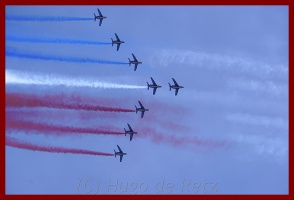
(141, 104)
(154, 90)
(176, 84)
(99, 12)
(117, 37)
(177, 90)
(136, 65)
(142, 114)
(153, 81)
(120, 159)
(119, 148)
(131, 137)
(100, 22)
(135, 59)
(118, 45)
(130, 127)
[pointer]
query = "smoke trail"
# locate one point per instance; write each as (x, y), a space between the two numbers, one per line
(57, 129)
(258, 120)
(73, 102)
(167, 57)
(51, 40)
(26, 100)
(30, 113)
(60, 58)
(46, 18)
(263, 88)
(263, 145)
(23, 78)
(13, 142)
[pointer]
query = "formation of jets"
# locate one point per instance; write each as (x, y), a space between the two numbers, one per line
(154, 86)
(176, 86)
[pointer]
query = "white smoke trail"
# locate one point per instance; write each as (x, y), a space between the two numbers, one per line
(277, 147)
(266, 87)
(166, 57)
(25, 78)
(277, 122)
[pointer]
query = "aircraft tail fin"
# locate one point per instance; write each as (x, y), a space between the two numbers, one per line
(94, 17)
(114, 152)
(136, 109)
(129, 62)
(147, 86)
(112, 41)
(169, 87)
(125, 132)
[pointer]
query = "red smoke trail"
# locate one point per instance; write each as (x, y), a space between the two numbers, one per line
(55, 101)
(149, 117)
(57, 129)
(177, 141)
(10, 141)
(32, 113)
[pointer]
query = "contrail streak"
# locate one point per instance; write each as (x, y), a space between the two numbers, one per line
(13, 142)
(29, 127)
(27, 100)
(61, 58)
(23, 78)
(52, 40)
(46, 18)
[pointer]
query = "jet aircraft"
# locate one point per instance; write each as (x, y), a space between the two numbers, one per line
(175, 86)
(154, 86)
(100, 16)
(119, 153)
(130, 131)
(141, 109)
(135, 62)
(117, 41)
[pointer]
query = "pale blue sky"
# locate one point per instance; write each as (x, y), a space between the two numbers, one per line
(233, 63)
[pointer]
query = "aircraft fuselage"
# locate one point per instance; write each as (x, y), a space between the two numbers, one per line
(130, 132)
(136, 62)
(120, 153)
(155, 86)
(142, 109)
(176, 87)
(118, 42)
(100, 17)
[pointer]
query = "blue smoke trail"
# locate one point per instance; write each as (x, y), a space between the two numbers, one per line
(61, 59)
(44, 18)
(50, 40)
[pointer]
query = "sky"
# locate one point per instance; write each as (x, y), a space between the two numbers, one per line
(67, 88)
